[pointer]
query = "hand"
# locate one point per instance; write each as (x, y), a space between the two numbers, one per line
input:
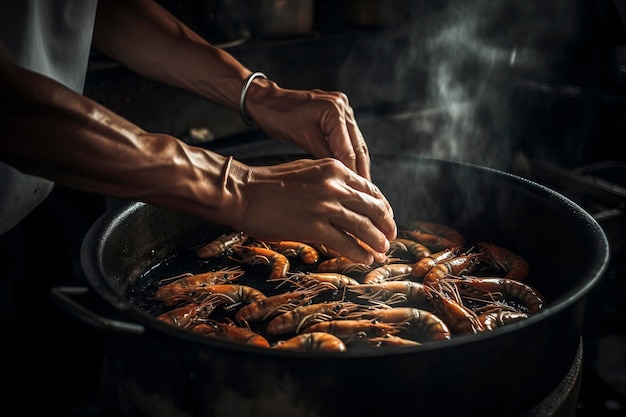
(319, 201)
(321, 123)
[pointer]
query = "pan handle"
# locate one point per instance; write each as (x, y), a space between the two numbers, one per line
(64, 298)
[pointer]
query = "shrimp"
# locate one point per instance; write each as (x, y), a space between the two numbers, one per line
(273, 305)
(500, 317)
(454, 266)
(230, 332)
(391, 340)
(438, 229)
(459, 318)
(190, 281)
(221, 244)
(306, 253)
(390, 292)
(421, 267)
(388, 272)
(416, 324)
(432, 242)
(336, 280)
(342, 265)
(490, 288)
(350, 330)
(312, 342)
(234, 292)
(416, 250)
(279, 264)
(185, 315)
(303, 316)
(514, 266)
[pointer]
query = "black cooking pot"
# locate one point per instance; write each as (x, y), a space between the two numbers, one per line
(164, 371)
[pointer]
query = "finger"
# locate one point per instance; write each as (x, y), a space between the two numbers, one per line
(371, 199)
(335, 128)
(345, 244)
(359, 145)
(340, 145)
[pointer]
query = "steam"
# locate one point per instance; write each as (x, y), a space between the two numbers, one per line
(449, 72)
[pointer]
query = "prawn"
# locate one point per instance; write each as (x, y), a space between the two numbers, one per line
(252, 255)
(459, 318)
(342, 265)
(415, 249)
(453, 266)
(350, 330)
(273, 305)
(391, 292)
(421, 267)
(388, 272)
(391, 340)
(230, 332)
(333, 279)
(438, 229)
(190, 281)
(514, 266)
(500, 317)
(494, 287)
(221, 244)
(234, 292)
(306, 253)
(415, 323)
(303, 316)
(185, 315)
(312, 342)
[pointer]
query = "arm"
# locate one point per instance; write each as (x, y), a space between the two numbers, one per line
(51, 131)
(155, 44)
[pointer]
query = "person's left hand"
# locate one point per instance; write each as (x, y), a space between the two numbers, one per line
(322, 123)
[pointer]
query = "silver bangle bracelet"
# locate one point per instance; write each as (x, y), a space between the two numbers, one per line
(242, 99)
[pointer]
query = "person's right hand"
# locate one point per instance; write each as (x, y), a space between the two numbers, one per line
(320, 201)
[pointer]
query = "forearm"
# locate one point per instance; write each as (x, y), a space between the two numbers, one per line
(50, 131)
(146, 38)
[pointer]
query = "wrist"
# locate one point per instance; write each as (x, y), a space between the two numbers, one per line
(255, 98)
(244, 92)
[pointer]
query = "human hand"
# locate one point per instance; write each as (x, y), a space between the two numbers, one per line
(320, 122)
(319, 201)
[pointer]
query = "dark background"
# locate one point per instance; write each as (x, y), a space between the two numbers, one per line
(493, 83)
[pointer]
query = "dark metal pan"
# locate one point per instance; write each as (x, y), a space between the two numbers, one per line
(163, 371)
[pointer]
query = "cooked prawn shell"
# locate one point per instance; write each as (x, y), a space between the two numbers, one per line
(273, 305)
(253, 255)
(342, 265)
(234, 292)
(229, 332)
(394, 271)
(351, 330)
(513, 265)
(189, 281)
(221, 244)
(312, 342)
(414, 323)
(391, 292)
(294, 320)
(306, 253)
(413, 249)
(490, 288)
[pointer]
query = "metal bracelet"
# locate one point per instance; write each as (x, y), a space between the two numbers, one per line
(244, 91)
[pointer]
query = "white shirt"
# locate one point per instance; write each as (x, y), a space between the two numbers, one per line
(53, 38)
